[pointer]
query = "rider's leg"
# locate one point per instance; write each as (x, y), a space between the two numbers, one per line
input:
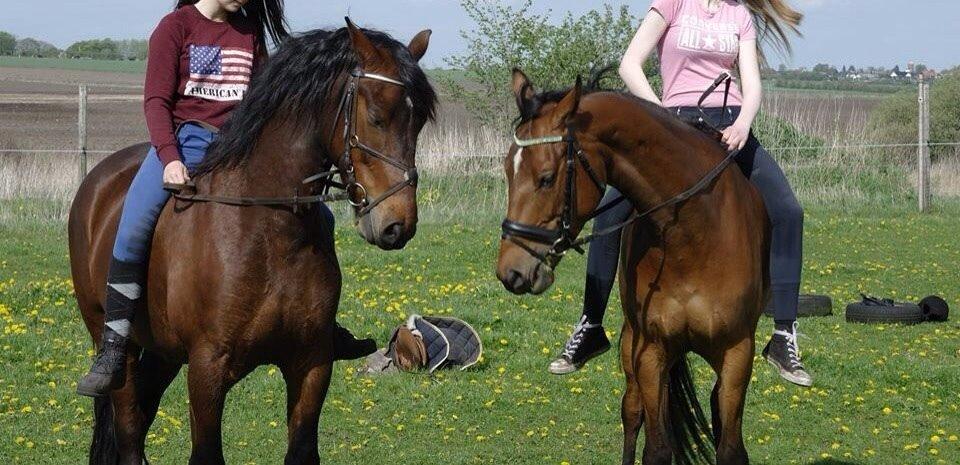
(126, 275)
(345, 345)
(786, 251)
(589, 339)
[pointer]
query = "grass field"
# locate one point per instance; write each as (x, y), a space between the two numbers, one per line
(117, 66)
(883, 394)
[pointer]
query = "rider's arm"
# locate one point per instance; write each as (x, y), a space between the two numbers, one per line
(750, 85)
(631, 66)
(160, 87)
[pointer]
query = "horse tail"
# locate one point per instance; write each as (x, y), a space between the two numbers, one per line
(103, 449)
(690, 430)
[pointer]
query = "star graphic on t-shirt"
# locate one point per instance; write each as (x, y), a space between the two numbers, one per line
(709, 42)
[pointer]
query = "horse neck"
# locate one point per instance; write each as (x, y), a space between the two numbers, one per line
(281, 159)
(649, 158)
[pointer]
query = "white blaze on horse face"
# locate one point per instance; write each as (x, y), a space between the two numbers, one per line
(517, 157)
(409, 103)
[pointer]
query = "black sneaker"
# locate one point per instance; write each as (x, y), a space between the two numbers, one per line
(783, 353)
(109, 368)
(586, 342)
(347, 347)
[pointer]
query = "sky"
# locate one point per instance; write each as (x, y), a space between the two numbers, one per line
(839, 32)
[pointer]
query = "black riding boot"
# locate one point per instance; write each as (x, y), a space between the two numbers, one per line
(348, 347)
(124, 286)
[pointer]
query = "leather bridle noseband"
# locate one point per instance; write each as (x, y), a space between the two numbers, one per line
(351, 189)
(560, 240)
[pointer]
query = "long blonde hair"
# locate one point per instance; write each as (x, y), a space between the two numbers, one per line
(775, 20)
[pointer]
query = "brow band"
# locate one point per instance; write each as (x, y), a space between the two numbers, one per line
(538, 141)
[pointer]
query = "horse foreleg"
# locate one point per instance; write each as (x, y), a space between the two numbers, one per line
(306, 390)
(631, 407)
(208, 382)
(730, 393)
(652, 373)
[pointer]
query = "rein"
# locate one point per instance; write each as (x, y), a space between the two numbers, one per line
(562, 239)
(351, 189)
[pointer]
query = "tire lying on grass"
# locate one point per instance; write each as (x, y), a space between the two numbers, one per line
(808, 305)
(934, 308)
(899, 312)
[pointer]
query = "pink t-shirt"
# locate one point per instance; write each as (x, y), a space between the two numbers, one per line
(699, 45)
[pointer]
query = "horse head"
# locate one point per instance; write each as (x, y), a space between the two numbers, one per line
(550, 194)
(381, 123)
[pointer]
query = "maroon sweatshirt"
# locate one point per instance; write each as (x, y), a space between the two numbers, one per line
(197, 70)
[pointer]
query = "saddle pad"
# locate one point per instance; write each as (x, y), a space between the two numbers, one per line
(464, 342)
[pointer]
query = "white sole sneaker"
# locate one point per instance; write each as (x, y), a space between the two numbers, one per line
(561, 366)
(800, 380)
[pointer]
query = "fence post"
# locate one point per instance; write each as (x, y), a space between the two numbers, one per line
(82, 130)
(923, 146)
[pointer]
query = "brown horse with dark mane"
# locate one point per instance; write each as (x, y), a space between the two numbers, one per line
(695, 261)
(232, 287)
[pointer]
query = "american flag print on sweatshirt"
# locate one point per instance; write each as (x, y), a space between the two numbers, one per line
(218, 73)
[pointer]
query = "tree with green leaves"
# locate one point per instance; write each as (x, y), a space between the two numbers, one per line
(895, 120)
(552, 55)
(104, 49)
(36, 48)
(8, 43)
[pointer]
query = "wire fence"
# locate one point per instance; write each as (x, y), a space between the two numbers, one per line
(461, 162)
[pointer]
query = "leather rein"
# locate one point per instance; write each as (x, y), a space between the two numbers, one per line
(561, 240)
(350, 188)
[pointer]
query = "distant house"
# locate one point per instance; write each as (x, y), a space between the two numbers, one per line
(897, 74)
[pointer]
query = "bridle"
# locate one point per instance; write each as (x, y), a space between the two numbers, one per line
(350, 189)
(351, 142)
(561, 240)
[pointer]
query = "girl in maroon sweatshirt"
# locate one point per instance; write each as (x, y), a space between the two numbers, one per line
(200, 62)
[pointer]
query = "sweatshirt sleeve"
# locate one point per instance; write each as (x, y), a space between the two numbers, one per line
(160, 87)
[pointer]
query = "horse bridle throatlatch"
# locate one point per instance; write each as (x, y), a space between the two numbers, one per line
(561, 239)
(351, 189)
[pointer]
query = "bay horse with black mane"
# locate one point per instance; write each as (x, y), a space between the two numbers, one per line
(694, 262)
(233, 287)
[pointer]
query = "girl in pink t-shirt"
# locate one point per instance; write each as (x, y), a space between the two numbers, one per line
(697, 40)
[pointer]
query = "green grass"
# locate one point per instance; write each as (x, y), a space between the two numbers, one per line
(883, 395)
(79, 64)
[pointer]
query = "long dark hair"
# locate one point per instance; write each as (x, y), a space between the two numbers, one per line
(266, 14)
(301, 79)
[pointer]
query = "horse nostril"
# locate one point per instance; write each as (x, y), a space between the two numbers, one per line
(514, 279)
(392, 233)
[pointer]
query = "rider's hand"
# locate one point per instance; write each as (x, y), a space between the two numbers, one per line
(735, 137)
(175, 173)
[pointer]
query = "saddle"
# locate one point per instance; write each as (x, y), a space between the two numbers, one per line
(427, 343)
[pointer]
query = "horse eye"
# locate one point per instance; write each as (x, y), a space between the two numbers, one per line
(547, 179)
(377, 122)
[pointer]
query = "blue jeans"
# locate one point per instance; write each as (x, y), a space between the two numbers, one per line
(146, 197)
(786, 218)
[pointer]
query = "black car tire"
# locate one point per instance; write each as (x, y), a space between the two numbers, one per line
(808, 305)
(899, 312)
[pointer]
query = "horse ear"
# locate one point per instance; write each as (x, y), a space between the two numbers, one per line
(361, 44)
(522, 90)
(570, 103)
(418, 46)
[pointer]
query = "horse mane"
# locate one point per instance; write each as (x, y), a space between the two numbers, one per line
(300, 79)
(595, 84)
